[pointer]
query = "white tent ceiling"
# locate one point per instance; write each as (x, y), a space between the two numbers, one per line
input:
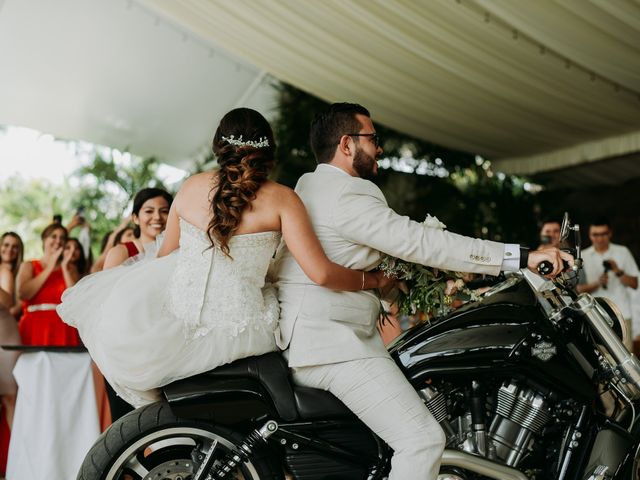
(532, 85)
(112, 72)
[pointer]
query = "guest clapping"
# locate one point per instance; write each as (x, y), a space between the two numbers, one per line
(40, 285)
(11, 251)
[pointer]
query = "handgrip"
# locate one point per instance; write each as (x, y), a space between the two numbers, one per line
(545, 268)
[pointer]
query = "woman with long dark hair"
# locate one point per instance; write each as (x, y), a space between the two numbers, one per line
(150, 212)
(207, 302)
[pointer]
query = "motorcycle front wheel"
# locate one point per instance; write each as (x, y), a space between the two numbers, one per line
(152, 443)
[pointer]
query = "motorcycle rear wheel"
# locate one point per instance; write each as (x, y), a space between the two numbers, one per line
(152, 443)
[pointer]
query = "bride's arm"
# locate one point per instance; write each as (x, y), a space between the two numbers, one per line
(171, 239)
(305, 247)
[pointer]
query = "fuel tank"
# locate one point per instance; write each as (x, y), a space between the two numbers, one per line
(503, 334)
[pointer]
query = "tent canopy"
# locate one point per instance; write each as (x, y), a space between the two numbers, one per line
(532, 86)
(113, 73)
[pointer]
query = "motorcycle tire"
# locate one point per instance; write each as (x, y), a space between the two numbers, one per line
(152, 443)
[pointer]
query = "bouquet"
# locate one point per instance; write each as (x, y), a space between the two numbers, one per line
(425, 289)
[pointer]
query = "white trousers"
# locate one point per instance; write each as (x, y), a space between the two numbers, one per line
(378, 393)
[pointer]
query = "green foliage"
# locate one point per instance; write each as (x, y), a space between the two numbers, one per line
(28, 206)
(107, 187)
(104, 188)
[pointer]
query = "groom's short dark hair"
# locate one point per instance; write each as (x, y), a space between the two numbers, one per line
(329, 126)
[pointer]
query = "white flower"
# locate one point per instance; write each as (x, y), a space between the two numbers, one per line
(433, 222)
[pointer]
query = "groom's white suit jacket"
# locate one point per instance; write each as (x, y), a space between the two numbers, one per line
(356, 227)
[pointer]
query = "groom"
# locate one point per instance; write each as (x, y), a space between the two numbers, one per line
(331, 336)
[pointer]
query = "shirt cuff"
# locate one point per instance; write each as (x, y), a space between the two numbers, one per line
(511, 258)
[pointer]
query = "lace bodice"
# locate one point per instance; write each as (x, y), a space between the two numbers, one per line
(209, 290)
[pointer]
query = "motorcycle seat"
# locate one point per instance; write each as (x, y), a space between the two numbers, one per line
(272, 372)
(291, 403)
(313, 403)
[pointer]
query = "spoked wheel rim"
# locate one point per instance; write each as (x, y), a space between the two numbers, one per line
(167, 455)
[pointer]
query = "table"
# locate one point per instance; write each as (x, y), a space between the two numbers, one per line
(56, 418)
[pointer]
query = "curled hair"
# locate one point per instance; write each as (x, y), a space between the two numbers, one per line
(243, 170)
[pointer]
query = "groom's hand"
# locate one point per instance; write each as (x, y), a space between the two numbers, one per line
(384, 283)
(552, 255)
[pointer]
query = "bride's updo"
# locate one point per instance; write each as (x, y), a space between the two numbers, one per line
(244, 148)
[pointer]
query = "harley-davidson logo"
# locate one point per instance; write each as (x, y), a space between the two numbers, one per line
(545, 351)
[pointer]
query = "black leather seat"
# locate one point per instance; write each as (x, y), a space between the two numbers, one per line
(313, 403)
(272, 372)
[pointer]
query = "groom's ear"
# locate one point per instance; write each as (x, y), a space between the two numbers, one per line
(346, 146)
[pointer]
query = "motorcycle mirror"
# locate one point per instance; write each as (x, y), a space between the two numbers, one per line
(565, 229)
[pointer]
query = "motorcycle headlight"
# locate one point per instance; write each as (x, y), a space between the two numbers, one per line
(618, 323)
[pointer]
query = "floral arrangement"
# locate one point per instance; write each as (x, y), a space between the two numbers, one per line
(425, 289)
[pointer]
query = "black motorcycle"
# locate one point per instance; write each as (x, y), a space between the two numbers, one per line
(531, 382)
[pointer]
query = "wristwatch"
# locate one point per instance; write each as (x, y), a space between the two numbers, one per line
(620, 273)
(524, 257)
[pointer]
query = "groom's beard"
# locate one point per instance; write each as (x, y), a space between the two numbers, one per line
(365, 165)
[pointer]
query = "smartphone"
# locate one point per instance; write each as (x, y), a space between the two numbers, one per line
(57, 218)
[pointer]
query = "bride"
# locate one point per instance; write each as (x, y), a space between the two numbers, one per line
(205, 301)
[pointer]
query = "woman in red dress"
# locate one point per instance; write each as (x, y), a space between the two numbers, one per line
(40, 286)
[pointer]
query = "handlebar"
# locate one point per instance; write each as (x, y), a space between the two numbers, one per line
(546, 267)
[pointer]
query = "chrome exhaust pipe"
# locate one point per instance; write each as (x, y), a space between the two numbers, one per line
(481, 466)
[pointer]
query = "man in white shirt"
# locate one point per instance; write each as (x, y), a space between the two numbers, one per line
(610, 270)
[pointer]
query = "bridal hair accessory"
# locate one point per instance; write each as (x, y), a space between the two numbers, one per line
(239, 142)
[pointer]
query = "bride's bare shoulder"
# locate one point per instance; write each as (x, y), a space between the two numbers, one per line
(277, 189)
(198, 182)
(200, 178)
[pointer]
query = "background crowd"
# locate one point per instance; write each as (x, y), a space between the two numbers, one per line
(31, 289)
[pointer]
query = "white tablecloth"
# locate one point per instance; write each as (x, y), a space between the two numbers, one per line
(56, 418)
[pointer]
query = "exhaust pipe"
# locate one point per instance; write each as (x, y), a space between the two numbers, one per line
(481, 466)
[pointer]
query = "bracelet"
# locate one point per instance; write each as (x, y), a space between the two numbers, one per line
(362, 288)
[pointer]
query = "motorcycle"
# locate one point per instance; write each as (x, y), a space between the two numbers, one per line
(531, 382)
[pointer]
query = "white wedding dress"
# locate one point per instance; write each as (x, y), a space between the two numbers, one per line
(155, 321)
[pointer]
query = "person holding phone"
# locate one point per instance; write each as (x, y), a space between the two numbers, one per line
(610, 271)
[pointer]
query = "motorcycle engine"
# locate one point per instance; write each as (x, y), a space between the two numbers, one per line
(516, 415)
(520, 413)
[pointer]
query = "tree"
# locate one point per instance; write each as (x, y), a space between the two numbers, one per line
(28, 206)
